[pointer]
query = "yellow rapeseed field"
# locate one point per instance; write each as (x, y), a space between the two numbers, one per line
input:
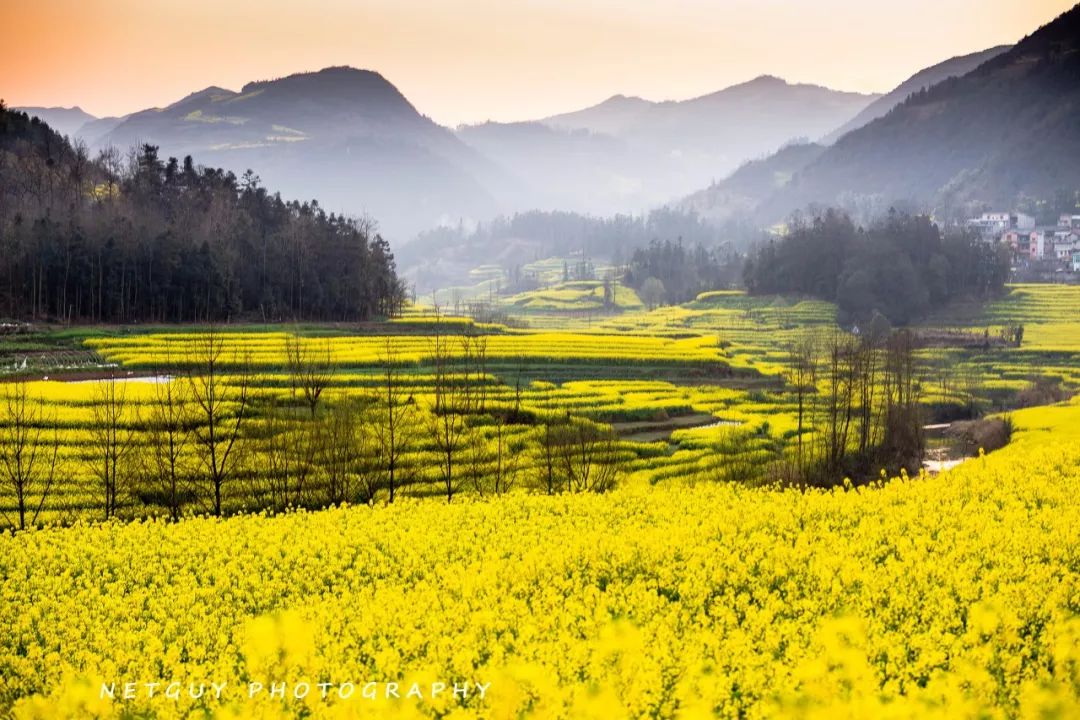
(952, 597)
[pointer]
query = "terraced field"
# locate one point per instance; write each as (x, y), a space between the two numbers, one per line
(916, 599)
(694, 392)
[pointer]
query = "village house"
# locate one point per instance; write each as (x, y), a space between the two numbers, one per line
(991, 225)
(1058, 244)
(1071, 222)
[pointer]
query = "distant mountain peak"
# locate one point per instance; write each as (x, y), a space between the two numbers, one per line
(341, 88)
(207, 94)
(337, 75)
(621, 99)
(927, 77)
(940, 146)
(64, 120)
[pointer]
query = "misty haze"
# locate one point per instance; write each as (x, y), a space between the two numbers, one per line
(512, 359)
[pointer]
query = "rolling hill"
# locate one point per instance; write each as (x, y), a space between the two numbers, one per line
(1008, 127)
(744, 189)
(928, 77)
(66, 121)
(627, 154)
(345, 136)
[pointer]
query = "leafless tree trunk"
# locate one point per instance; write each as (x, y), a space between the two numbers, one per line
(476, 461)
(287, 458)
(904, 439)
(447, 420)
(507, 458)
(340, 454)
(838, 401)
(393, 422)
(588, 454)
(112, 438)
(168, 436)
(28, 461)
(474, 363)
(222, 405)
(802, 374)
(550, 438)
(310, 370)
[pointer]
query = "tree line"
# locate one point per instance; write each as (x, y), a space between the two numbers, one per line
(670, 272)
(206, 442)
(901, 267)
(139, 238)
(856, 403)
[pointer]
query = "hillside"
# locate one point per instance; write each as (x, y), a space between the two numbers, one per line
(196, 243)
(611, 116)
(66, 121)
(754, 181)
(1008, 127)
(627, 153)
(736, 123)
(346, 136)
(927, 77)
(573, 170)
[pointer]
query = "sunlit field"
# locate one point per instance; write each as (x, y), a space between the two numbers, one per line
(943, 597)
(689, 582)
(693, 393)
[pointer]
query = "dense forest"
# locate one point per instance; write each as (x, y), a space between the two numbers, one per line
(901, 266)
(137, 238)
(443, 256)
(671, 272)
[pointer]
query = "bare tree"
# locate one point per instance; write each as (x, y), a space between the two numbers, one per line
(837, 402)
(28, 461)
(287, 454)
(446, 423)
(393, 422)
(547, 465)
(867, 362)
(476, 459)
(507, 456)
(474, 372)
(588, 456)
(221, 404)
(165, 463)
(903, 435)
(112, 437)
(802, 375)
(341, 454)
(310, 370)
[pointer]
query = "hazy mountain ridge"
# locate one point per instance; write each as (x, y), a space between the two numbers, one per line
(925, 78)
(352, 139)
(627, 154)
(1009, 126)
(66, 121)
(741, 191)
(346, 136)
(757, 180)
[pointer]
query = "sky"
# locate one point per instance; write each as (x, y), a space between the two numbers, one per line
(464, 61)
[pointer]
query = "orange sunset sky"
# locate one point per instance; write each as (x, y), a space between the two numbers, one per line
(471, 60)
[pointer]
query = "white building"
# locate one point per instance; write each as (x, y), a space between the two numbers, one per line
(993, 224)
(1071, 222)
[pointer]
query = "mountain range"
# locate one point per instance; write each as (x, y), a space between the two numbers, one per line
(347, 137)
(1007, 128)
(980, 127)
(351, 139)
(629, 154)
(66, 121)
(756, 180)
